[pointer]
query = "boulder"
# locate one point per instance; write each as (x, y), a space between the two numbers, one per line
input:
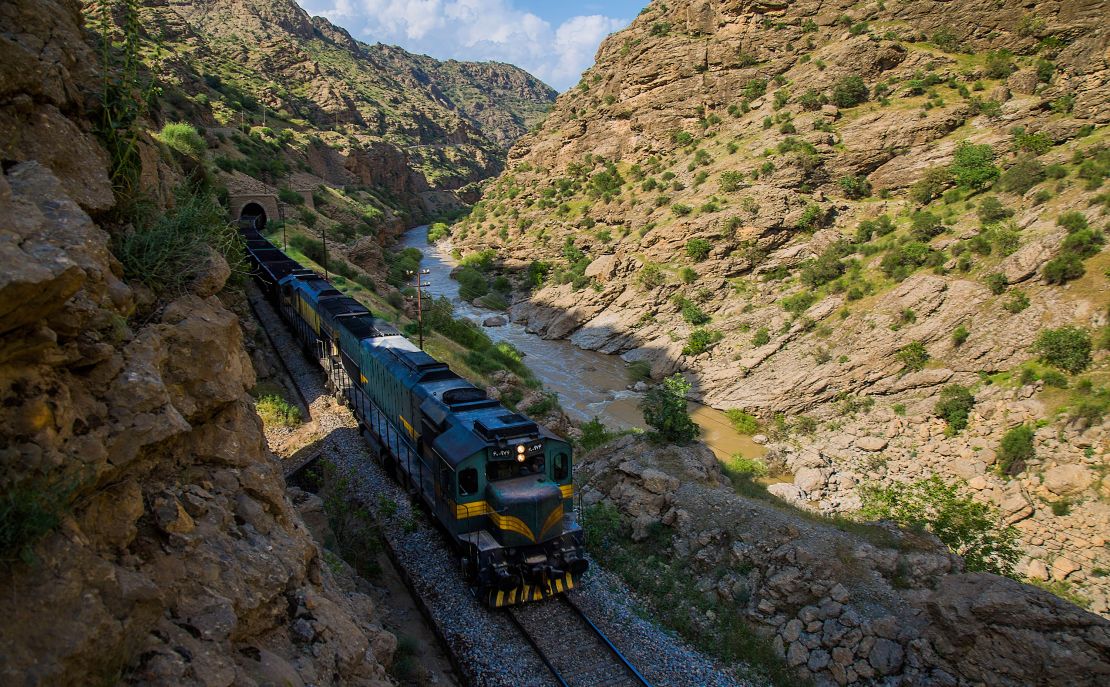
(1065, 480)
(871, 443)
(495, 321)
(809, 479)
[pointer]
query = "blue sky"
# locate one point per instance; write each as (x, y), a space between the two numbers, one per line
(554, 40)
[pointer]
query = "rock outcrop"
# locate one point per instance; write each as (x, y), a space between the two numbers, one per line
(845, 606)
(147, 535)
(713, 199)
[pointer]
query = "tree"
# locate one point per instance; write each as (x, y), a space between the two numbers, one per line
(1067, 348)
(664, 408)
(850, 91)
(1015, 450)
(973, 165)
(913, 356)
(954, 406)
(967, 527)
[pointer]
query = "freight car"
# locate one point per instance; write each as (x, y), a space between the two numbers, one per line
(499, 484)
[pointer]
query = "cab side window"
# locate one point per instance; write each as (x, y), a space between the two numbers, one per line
(468, 482)
(561, 467)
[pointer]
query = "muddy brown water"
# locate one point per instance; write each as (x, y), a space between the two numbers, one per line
(589, 384)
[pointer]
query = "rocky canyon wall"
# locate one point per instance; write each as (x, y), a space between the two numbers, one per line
(147, 535)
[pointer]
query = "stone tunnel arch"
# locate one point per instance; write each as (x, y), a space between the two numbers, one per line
(255, 212)
(243, 205)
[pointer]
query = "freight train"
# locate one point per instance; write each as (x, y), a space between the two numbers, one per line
(499, 484)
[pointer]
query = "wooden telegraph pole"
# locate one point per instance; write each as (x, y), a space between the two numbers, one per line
(419, 284)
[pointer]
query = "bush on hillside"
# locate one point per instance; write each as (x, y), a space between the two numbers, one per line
(973, 165)
(664, 408)
(183, 138)
(954, 406)
(168, 253)
(969, 528)
(1015, 450)
(1067, 348)
(850, 91)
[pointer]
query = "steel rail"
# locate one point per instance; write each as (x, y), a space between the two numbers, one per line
(601, 635)
(536, 647)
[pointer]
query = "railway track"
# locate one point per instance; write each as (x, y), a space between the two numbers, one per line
(552, 626)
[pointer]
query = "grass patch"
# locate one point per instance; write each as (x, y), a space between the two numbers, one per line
(275, 411)
(29, 510)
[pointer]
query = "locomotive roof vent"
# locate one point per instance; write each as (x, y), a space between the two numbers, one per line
(506, 426)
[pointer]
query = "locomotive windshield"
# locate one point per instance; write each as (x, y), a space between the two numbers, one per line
(496, 471)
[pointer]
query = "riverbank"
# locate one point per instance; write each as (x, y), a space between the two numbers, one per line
(588, 383)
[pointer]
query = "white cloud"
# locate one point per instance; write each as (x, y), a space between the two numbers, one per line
(476, 30)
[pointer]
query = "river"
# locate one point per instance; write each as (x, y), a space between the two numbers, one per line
(589, 384)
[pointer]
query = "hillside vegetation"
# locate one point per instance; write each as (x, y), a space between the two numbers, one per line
(877, 228)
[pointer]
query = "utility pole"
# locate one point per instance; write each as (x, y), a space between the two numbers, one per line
(419, 285)
(324, 236)
(281, 214)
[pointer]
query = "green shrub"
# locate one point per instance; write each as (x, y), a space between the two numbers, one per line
(812, 217)
(275, 411)
(1026, 173)
(664, 409)
(1073, 221)
(742, 422)
(731, 181)
(595, 434)
(924, 226)
(290, 196)
(973, 165)
(969, 528)
(168, 253)
(913, 356)
(1018, 301)
(855, 187)
(822, 270)
(1000, 64)
(812, 99)
(997, 282)
(681, 210)
(954, 406)
(438, 231)
(799, 302)
(691, 312)
(472, 283)
(1067, 348)
(959, 335)
(930, 186)
(761, 337)
(698, 249)
(29, 510)
(1015, 450)
(651, 276)
(183, 138)
(687, 275)
(991, 210)
(1063, 268)
(850, 91)
(700, 341)
(1037, 144)
(901, 262)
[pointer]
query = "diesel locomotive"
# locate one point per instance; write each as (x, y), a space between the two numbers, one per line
(499, 484)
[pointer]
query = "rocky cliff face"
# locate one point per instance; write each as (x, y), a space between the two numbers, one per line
(859, 607)
(147, 536)
(766, 196)
(451, 121)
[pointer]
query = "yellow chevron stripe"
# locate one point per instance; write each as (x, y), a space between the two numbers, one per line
(511, 523)
(568, 490)
(554, 519)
